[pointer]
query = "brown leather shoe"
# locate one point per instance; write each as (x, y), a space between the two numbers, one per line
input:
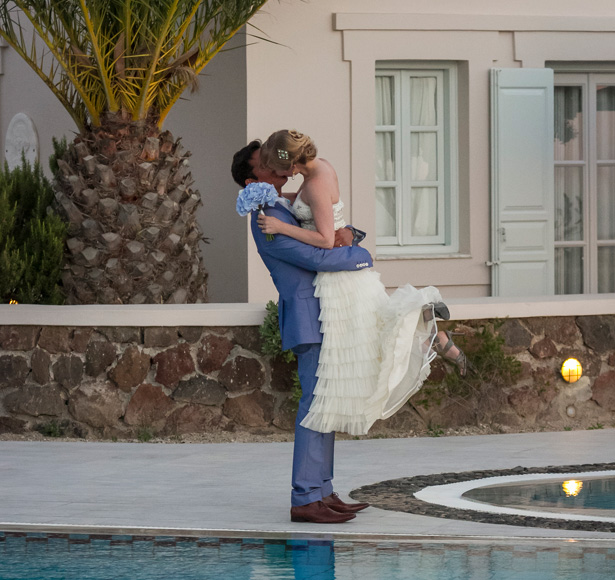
(318, 513)
(336, 504)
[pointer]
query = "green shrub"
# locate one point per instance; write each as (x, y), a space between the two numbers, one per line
(31, 237)
(145, 433)
(270, 333)
(492, 368)
(52, 428)
(60, 147)
(435, 431)
(492, 364)
(272, 346)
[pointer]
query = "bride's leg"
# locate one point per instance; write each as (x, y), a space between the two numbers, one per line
(441, 340)
(447, 349)
(430, 326)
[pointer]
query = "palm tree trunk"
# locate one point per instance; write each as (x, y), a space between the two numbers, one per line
(133, 235)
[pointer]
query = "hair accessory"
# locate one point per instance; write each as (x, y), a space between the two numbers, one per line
(282, 154)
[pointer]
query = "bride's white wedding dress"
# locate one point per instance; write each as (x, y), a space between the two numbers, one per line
(376, 348)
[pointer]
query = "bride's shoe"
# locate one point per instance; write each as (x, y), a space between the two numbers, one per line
(461, 361)
(437, 309)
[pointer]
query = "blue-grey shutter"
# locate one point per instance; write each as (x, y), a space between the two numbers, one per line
(522, 182)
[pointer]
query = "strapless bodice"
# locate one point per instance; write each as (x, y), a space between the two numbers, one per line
(303, 213)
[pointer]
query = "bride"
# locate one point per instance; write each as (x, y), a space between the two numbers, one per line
(376, 348)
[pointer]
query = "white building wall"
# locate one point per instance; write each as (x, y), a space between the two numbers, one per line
(319, 80)
(22, 91)
(212, 124)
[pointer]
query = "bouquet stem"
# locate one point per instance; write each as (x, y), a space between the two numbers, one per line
(268, 237)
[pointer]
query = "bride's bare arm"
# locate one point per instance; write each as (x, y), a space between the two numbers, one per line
(318, 197)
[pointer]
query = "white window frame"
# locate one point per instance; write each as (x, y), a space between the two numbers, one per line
(446, 241)
(588, 79)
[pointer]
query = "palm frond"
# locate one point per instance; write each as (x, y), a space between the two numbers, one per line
(100, 56)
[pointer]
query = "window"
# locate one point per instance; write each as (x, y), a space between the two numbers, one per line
(584, 183)
(416, 159)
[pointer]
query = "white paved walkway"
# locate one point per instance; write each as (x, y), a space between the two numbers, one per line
(234, 486)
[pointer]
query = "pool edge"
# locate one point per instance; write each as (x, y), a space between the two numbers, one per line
(283, 535)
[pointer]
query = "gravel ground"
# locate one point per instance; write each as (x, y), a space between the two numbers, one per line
(272, 435)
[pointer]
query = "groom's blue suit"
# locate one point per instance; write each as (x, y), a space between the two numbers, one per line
(292, 266)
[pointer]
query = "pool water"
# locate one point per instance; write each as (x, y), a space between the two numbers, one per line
(575, 494)
(104, 557)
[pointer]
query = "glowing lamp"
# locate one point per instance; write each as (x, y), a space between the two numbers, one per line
(572, 487)
(571, 370)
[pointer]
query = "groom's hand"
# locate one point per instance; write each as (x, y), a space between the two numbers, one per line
(343, 237)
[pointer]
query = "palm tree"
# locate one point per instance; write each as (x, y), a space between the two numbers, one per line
(118, 67)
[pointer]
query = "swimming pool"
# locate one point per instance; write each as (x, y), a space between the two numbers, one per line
(464, 496)
(41, 556)
(442, 495)
(588, 495)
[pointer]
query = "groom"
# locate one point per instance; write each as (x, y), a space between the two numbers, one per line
(292, 266)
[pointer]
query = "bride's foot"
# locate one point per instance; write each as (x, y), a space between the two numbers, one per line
(439, 309)
(447, 349)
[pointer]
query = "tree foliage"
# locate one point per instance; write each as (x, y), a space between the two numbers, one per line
(31, 237)
(132, 58)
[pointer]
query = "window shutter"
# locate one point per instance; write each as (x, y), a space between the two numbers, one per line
(522, 182)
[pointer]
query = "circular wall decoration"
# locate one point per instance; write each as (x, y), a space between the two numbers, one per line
(21, 137)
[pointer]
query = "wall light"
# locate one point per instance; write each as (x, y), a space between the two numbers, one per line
(571, 370)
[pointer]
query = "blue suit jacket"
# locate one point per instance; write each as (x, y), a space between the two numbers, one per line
(292, 266)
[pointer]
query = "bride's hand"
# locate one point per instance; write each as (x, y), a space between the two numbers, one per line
(269, 224)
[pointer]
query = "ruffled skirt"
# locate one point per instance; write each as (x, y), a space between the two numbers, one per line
(375, 352)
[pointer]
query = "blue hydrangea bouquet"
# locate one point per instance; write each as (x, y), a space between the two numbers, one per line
(254, 197)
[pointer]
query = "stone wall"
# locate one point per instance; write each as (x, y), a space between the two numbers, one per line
(114, 381)
(538, 398)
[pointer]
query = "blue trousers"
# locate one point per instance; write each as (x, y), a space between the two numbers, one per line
(313, 451)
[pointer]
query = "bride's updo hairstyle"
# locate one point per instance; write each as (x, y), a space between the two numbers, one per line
(285, 148)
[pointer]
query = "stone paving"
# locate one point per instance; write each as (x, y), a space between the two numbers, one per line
(244, 488)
